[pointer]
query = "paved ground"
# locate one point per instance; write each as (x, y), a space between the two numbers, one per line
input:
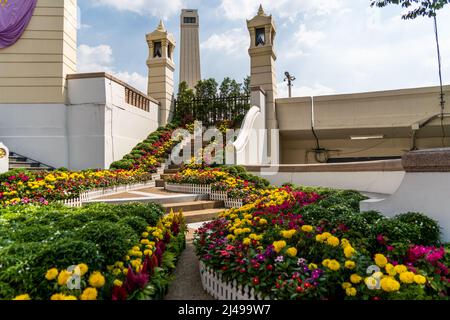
(187, 284)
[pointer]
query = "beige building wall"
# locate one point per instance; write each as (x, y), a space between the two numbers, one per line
(190, 69)
(397, 115)
(33, 70)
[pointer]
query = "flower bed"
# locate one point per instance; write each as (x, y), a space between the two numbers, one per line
(91, 253)
(24, 187)
(301, 244)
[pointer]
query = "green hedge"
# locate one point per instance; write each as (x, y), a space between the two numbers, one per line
(34, 239)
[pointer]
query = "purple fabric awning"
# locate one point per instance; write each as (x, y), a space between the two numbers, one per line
(14, 18)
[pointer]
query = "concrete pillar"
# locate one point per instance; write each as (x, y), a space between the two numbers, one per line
(190, 67)
(262, 59)
(161, 67)
(4, 158)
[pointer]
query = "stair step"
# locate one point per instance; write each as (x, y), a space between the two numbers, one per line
(174, 166)
(166, 176)
(193, 206)
(160, 183)
(171, 171)
(202, 215)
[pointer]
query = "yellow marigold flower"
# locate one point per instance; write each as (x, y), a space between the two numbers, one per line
(407, 277)
(89, 294)
(83, 268)
(371, 282)
(64, 277)
(145, 234)
(97, 280)
(23, 297)
(288, 234)
(350, 264)
(346, 285)
(307, 228)
(118, 283)
(419, 279)
(326, 235)
(320, 238)
(333, 241)
(400, 268)
(389, 284)
(58, 296)
(145, 241)
(380, 260)
(247, 241)
(148, 252)
(279, 245)
(355, 278)
(292, 252)
(51, 274)
(351, 292)
(312, 266)
(125, 271)
(119, 264)
(344, 243)
(326, 262)
(70, 298)
(349, 252)
(390, 269)
(334, 265)
(231, 237)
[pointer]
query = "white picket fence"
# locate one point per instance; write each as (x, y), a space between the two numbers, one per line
(234, 203)
(218, 195)
(96, 193)
(189, 188)
(220, 289)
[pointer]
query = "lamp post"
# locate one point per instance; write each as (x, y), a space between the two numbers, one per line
(289, 80)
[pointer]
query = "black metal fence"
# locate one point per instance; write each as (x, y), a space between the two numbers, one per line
(212, 110)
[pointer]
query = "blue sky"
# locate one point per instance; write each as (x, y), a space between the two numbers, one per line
(331, 46)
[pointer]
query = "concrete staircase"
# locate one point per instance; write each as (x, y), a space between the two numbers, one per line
(17, 161)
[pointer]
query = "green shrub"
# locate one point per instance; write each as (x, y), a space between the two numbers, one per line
(396, 231)
(429, 233)
(372, 217)
(137, 223)
(124, 164)
(113, 242)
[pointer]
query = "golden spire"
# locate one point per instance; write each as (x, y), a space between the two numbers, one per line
(261, 11)
(161, 26)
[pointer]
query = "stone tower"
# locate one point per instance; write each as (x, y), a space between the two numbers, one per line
(190, 48)
(160, 71)
(262, 60)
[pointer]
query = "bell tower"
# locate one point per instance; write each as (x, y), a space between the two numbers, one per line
(263, 74)
(161, 67)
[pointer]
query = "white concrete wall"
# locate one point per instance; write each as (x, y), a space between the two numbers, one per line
(37, 131)
(424, 192)
(97, 128)
(386, 182)
(113, 126)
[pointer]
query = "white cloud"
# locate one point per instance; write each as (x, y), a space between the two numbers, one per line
(308, 38)
(238, 9)
(155, 8)
(100, 59)
(304, 91)
(92, 59)
(231, 41)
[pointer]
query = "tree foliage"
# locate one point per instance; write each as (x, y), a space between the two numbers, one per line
(418, 8)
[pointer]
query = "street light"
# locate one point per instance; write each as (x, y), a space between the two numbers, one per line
(289, 80)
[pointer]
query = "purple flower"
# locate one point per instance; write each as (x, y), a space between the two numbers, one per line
(260, 257)
(301, 262)
(279, 259)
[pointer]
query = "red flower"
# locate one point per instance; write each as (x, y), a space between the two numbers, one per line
(119, 294)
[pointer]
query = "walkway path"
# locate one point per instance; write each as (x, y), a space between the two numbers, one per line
(187, 284)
